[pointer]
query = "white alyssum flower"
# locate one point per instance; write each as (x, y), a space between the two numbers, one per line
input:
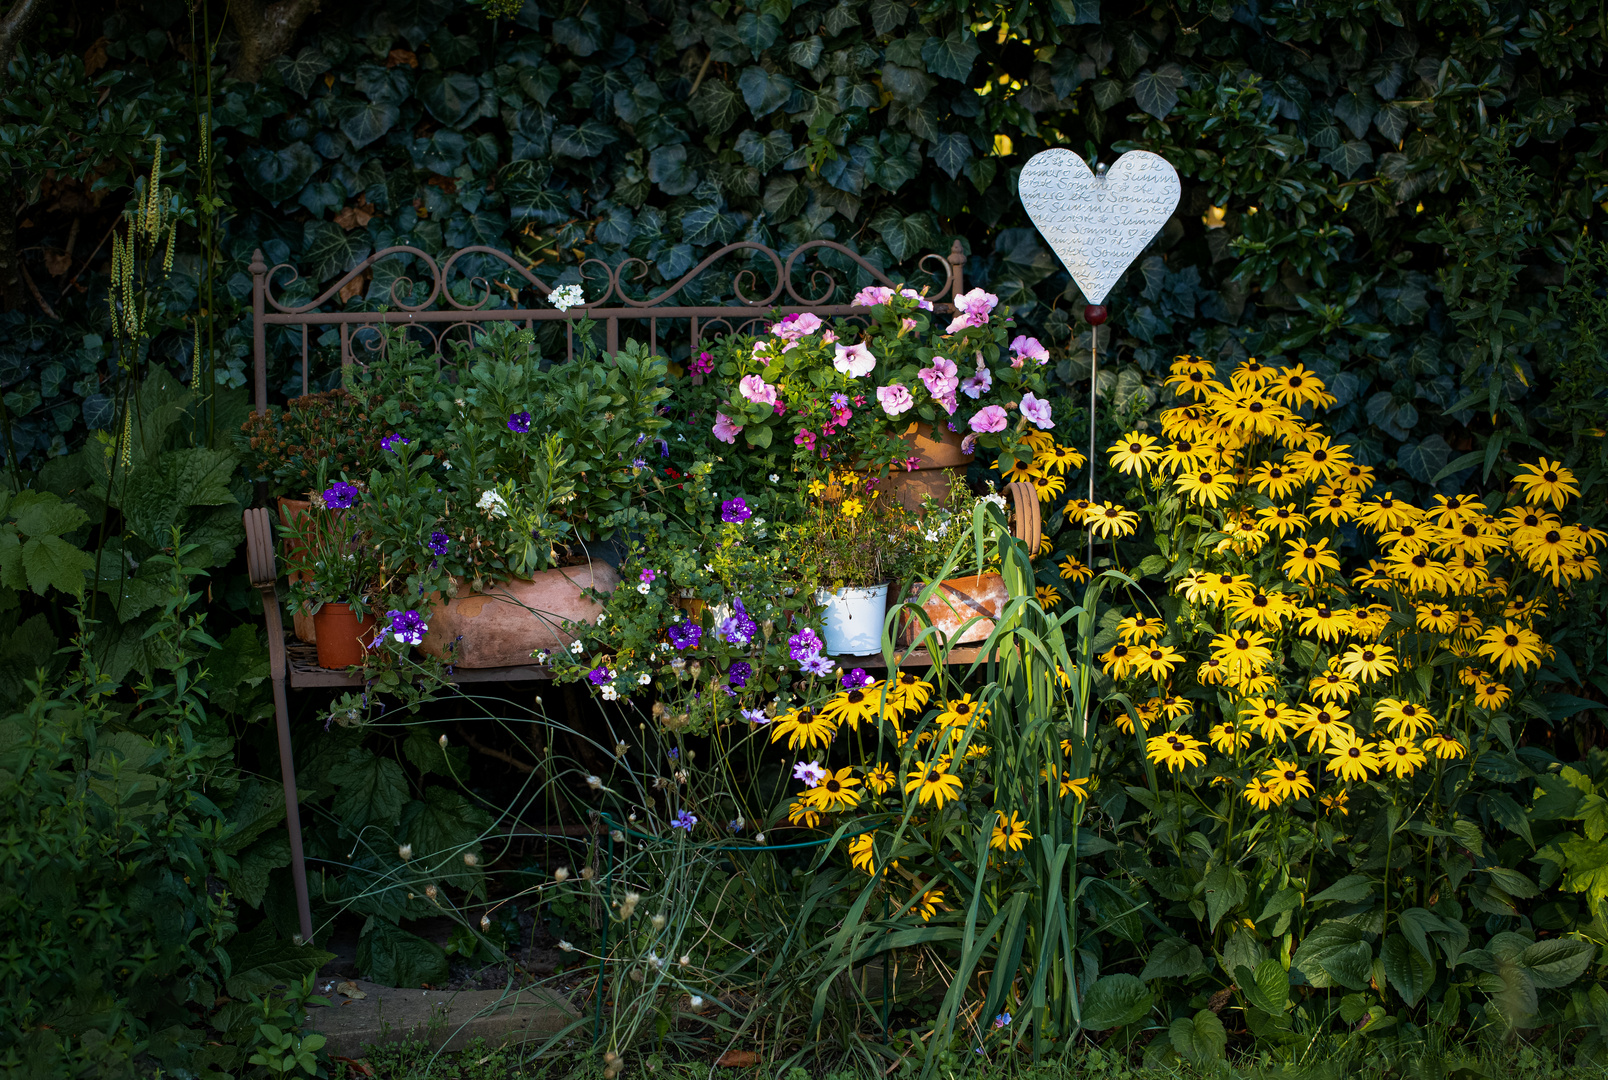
(493, 504)
(566, 296)
(602, 617)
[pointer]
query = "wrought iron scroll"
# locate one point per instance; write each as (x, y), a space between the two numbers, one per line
(446, 308)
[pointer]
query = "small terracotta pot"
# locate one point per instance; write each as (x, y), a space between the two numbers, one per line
(301, 622)
(502, 626)
(343, 638)
(941, 463)
(954, 602)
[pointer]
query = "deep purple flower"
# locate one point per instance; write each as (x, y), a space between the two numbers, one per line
(856, 679)
(817, 665)
(804, 644)
(646, 575)
(684, 821)
(639, 463)
(739, 628)
(407, 627)
(674, 753)
(519, 423)
(391, 442)
(840, 401)
(438, 542)
(664, 448)
(735, 824)
(598, 676)
(340, 495)
(735, 510)
(685, 635)
(739, 673)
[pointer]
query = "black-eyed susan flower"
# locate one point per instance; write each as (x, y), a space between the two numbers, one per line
(1124, 721)
(1183, 454)
(1520, 518)
(1273, 720)
(1335, 802)
(863, 853)
(1136, 453)
(1251, 683)
(1375, 575)
(1261, 794)
(927, 906)
(1489, 694)
(1175, 749)
(1443, 746)
(1107, 520)
(851, 707)
(1357, 478)
(1048, 596)
(1243, 649)
(1322, 723)
(1323, 460)
(1267, 610)
(1205, 486)
(1421, 572)
(1254, 414)
(1400, 756)
(1171, 706)
(803, 727)
(1058, 459)
(1049, 487)
(1404, 718)
(802, 813)
(1243, 536)
(1288, 779)
(1077, 787)
(1332, 684)
(1251, 374)
(1308, 559)
(835, 792)
(1275, 481)
(1281, 519)
(1017, 470)
(1009, 833)
(1157, 661)
(1195, 383)
(1073, 570)
(1117, 661)
(1369, 663)
(1387, 513)
(1295, 386)
(1437, 618)
(1328, 624)
(1228, 737)
(909, 691)
(1352, 758)
(934, 784)
(961, 712)
(1140, 627)
(879, 778)
(1334, 507)
(1511, 645)
(1547, 480)
(1581, 566)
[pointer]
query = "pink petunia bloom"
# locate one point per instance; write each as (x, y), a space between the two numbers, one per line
(921, 301)
(1037, 410)
(940, 379)
(854, 360)
(989, 419)
(757, 390)
(703, 365)
(805, 438)
(913, 463)
(872, 296)
(1026, 348)
(976, 385)
(779, 409)
(725, 430)
(972, 309)
(906, 325)
(894, 399)
(828, 336)
(840, 416)
(799, 324)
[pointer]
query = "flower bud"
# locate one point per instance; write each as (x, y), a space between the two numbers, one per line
(430, 892)
(564, 946)
(443, 742)
(594, 782)
(759, 838)
(561, 874)
(696, 1002)
(586, 873)
(617, 836)
(658, 921)
(610, 1057)
(470, 858)
(485, 922)
(405, 852)
(636, 976)
(685, 960)
(633, 898)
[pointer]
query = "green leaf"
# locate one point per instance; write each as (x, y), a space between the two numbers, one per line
(1225, 890)
(1201, 1039)
(330, 250)
(368, 121)
(757, 435)
(583, 140)
(707, 225)
(1156, 92)
(764, 91)
(426, 754)
(260, 961)
(300, 73)
(950, 151)
(448, 95)
(668, 168)
(1350, 966)
(888, 15)
(280, 174)
(716, 106)
(52, 563)
(1324, 940)
(904, 235)
(1267, 988)
(368, 789)
(1348, 157)
(41, 513)
(1409, 971)
(1115, 1001)
(951, 56)
(1350, 889)
(1557, 962)
(443, 827)
(1423, 460)
(391, 955)
(249, 879)
(1172, 958)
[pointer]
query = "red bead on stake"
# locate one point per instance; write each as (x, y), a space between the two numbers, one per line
(1094, 314)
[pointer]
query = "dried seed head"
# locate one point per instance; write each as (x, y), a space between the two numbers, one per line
(658, 921)
(594, 782)
(430, 892)
(586, 873)
(405, 852)
(470, 859)
(561, 874)
(485, 922)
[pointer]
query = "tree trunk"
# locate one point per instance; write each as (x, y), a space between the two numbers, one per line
(266, 31)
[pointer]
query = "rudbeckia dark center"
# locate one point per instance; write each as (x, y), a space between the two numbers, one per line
(855, 697)
(1550, 477)
(1510, 641)
(1205, 477)
(1553, 536)
(1353, 752)
(1294, 382)
(1289, 774)
(1368, 657)
(932, 777)
(1309, 553)
(1135, 448)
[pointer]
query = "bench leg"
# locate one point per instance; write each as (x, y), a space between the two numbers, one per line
(287, 767)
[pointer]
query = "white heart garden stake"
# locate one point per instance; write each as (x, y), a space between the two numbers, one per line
(1098, 225)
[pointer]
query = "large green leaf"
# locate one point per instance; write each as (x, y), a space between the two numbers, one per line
(1267, 988)
(951, 56)
(1201, 1039)
(260, 961)
(1557, 962)
(1410, 972)
(443, 827)
(764, 91)
(302, 71)
(368, 788)
(279, 174)
(449, 95)
(584, 140)
(331, 250)
(950, 152)
(1225, 890)
(1172, 958)
(1323, 941)
(1115, 1001)
(368, 120)
(1156, 92)
(388, 954)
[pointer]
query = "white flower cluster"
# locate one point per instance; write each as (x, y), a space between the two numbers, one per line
(493, 504)
(566, 296)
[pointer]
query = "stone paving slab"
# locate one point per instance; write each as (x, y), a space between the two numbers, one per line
(443, 1018)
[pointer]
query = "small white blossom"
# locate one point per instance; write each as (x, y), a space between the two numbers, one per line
(470, 858)
(541, 658)
(774, 478)
(493, 504)
(644, 679)
(601, 617)
(594, 782)
(566, 296)
(608, 693)
(577, 648)
(561, 874)
(644, 588)
(697, 1003)
(565, 946)
(997, 499)
(759, 838)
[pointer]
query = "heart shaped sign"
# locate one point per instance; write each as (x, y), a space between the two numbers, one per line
(1098, 225)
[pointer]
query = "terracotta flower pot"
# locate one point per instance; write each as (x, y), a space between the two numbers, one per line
(502, 626)
(940, 459)
(954, 602)
(343, 638)
(301, 622)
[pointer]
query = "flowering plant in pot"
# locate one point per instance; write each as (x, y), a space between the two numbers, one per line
(957, 587)
(333, 573)
(866, 395)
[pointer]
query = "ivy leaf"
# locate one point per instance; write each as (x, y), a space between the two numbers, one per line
(762, 152)
(784, 197)
(758, 31)
(368, 788)
(1107, 93)
(1156, 92)
(448, 95)
(764, 91)
(806, 52)
(843, 15)
(368, 121)
(1348, 157)
(581, 35)
(279, 174)
(1391, 122)
(1115, 1001)
(904, 235)
(385, 85)
(951, 56)
(707, 226)
(301, 73)
(330, 250)
(583, 140)
(483, 228)
(668, 168)
(888, 15)
(1423, 460)
(715, 105)
(1355, 109)
(951, 151)
(906, 85)
(539, 83)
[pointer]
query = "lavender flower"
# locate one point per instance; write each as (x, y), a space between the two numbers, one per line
(684, 821)
(739, 673)
(810, 772)
(407, 627)
(804, 644)
(340, 495)
(739, 628)
(755, 716)
(685, 635)
(674, 753)
(438, 542)
(856, 679)
(817, 665)
(391, 442)
(735, 510)
(519, 423)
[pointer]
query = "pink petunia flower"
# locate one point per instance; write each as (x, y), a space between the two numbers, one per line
(854, 360)
(799, 324)
(1037, 410)
(725, 430)
(976, 385)
(757, 390)
(894, 399)
(1027, 348)
(989, 419)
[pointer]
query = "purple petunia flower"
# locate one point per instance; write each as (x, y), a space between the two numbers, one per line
(392, 441)
(817, 665)
(739, 673)
(685, 635)
(739, 628)
(804, 644)
(519, 423)
(340, 495)
(598, 676)
(438, 542)
(407, 627)
(755, 716)
(856, 679)
(735, 510)
(684, 821)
